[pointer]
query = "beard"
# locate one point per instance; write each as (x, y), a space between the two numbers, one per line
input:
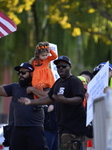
(25, 81)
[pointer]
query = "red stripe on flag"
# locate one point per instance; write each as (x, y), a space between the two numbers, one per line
(8, 19)
(1, 35)
(5, 28)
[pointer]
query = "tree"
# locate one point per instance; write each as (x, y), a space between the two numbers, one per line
(77, 27)
(89, 16)
(13, 7)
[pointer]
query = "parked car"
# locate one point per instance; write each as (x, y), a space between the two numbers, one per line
(2, 138)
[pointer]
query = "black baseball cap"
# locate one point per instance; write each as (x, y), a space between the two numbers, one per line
(63, 58)
(24, 65)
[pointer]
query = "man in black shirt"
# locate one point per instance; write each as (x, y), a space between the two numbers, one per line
(68, 93)
(28, 131)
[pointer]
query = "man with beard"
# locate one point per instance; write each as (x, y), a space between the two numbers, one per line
(68, 93)
(28, 131)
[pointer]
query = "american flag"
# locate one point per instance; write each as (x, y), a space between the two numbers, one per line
(7, 26)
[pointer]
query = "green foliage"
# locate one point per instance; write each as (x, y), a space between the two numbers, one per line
(13, 7)
(81, 30)
(91, 16)
(99, 50)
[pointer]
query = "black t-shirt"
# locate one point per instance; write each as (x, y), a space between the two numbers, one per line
(70, 118)
(23, 115)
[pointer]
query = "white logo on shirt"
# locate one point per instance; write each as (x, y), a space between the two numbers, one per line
(61, 90)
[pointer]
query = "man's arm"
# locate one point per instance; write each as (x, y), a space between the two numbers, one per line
(72, 101)
(41, 101)
(2, 91)
(37, 92)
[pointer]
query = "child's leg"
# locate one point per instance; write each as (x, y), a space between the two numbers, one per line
(40, 87)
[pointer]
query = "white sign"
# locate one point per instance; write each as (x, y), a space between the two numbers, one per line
(53, 66)
(95, 89)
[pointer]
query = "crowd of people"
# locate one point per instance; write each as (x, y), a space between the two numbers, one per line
(46, 114)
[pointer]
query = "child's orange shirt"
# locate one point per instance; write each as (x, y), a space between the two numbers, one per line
(42, 74)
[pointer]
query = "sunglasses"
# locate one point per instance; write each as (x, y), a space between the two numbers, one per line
(22, 72)
(63, 66)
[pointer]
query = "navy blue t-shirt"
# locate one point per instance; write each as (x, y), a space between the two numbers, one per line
(23, 115)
